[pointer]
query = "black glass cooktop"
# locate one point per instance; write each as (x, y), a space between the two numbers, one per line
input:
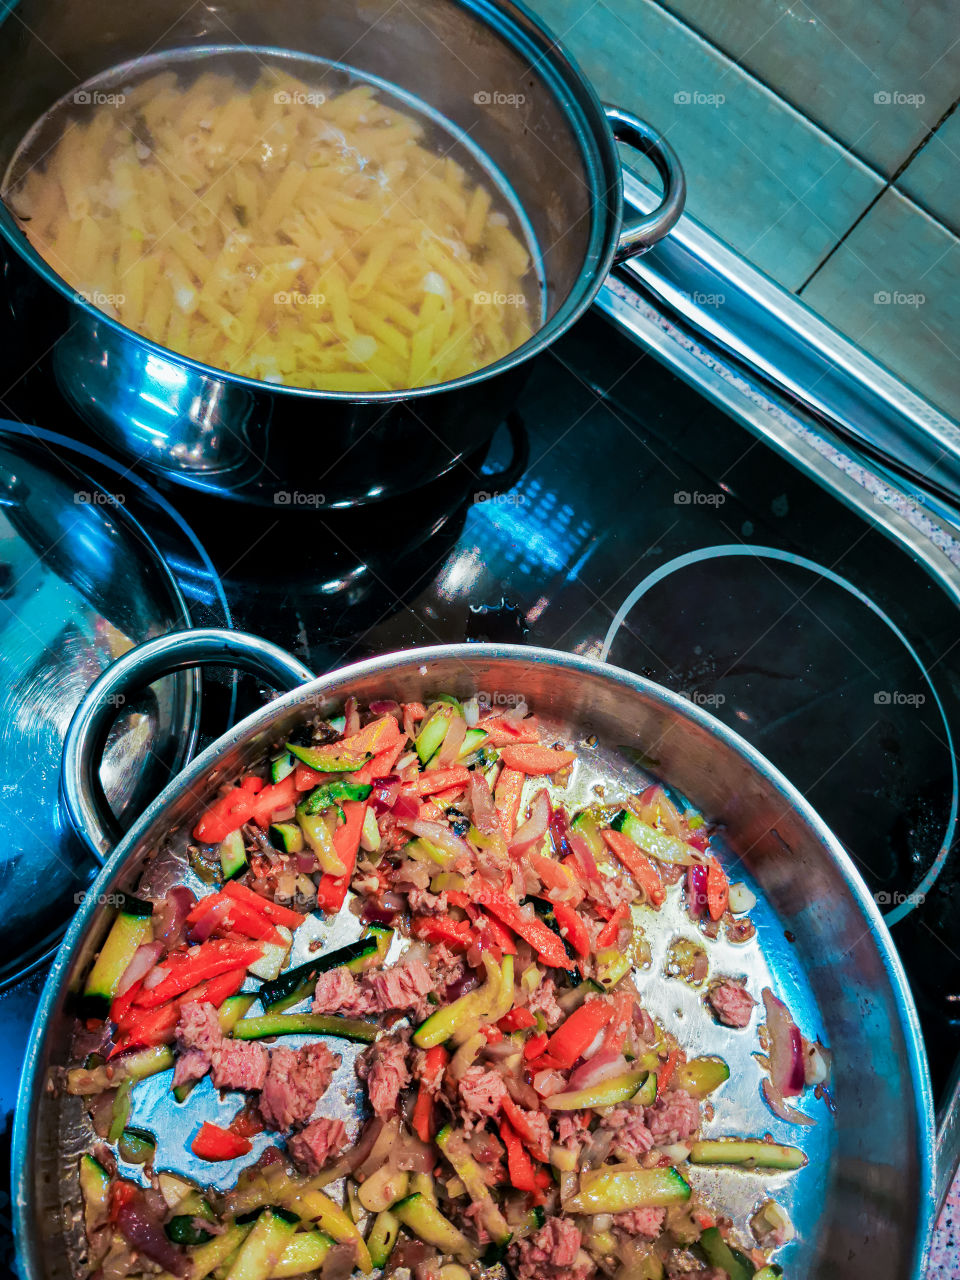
(619, 514)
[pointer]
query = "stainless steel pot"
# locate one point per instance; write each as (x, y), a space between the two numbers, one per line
(864, 1204)
(490, 69)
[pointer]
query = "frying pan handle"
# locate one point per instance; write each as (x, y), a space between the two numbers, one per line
(640, 233)
(81, 792)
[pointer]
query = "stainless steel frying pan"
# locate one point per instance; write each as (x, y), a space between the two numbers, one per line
(863, 1205)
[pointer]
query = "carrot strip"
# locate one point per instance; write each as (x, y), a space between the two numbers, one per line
(535, 759)
(637, 863)
(506, 798)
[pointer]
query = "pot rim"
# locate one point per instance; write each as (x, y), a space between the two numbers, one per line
(515, 24)
(330, 685)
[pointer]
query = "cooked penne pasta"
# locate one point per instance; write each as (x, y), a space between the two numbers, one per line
(282, 230)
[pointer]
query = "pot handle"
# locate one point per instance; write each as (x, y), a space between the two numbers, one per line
(81, 792)
(638, 234)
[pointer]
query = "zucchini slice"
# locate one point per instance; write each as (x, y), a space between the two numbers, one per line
(304, 1252)
(618, 1190)
(303, 975)
(335, 792)
(701, 1076)
(136, 1146)
(329, 759)
(747, 1154)
(265, 1245)
(208, 1257)
(719, 1254)
(654, 842)
(282, 766)
(320, 839)
(131, 928)
(470, 1173)
(294, 1024)
(770, 1272)
(585, 824)
(427, 1223)
(605, 1094)
(473, 741)
(432, 733)
(382, 1237)
(233, 856)
(383, 1189)
(95, 1187)
(286, 836)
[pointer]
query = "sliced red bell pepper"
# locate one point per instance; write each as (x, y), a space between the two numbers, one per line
(637, 863)
(122, 1003)
(215, 990)
(278, 795)
(374, 737)
(557, 876)
(275, 912)
(252, 783)
(608, 934)
(213, 1143)
(186, 968)
(544, 941)
(503, 732)
(536, 760)
(332, 890)
(305, 778)
(531, 1139)
(447, 797)
(233, 916)
(517, 1020)
(493, 934)
(424, 1125)
(667, 1070)
(535, 1046)
(519, 1164)
(718, 890)
(493, 1034)
(122, 1194)
(506, 797)
(381, 765)
(572, 928)
(141, 1028)
(226, 814)
(433, 780)
(544, 1063)
(576, 1033)
(436, 929)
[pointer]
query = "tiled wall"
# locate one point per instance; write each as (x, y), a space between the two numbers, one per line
(820, 138)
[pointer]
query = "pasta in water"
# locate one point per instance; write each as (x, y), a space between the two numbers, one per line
(300, 238)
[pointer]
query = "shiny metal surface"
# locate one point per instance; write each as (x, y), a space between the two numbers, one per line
(718, 294)
(80, 582)
(80, 787)
(864, 1203)
(642, 231)
(497, 76)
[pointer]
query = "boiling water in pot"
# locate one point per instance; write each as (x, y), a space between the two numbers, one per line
(282, 218)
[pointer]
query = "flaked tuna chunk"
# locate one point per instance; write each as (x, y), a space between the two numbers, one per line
(641, 1222)
(552, 1254)
(294, 1085)
(198, 1038)
(732, 1003)
(481, 1091)
(543, 1000)
(631, 1135)
(674, 1117)
(240, 1064)
(339, 992)
(404, 986)
(384, 1068)
(317, 1144)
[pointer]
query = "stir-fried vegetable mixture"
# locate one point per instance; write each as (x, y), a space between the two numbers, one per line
(525, 1114)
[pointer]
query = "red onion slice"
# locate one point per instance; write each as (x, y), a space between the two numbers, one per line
(697, 889)
(780, 1108)
(786, 1048)
(384, 795)
(452, 742)
(351, 717)
(535, 827)
(154, 977)
(485, 816)
(438, 835)
(405, 809)
(385, 707)
(141, 962)
(602, 1066)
